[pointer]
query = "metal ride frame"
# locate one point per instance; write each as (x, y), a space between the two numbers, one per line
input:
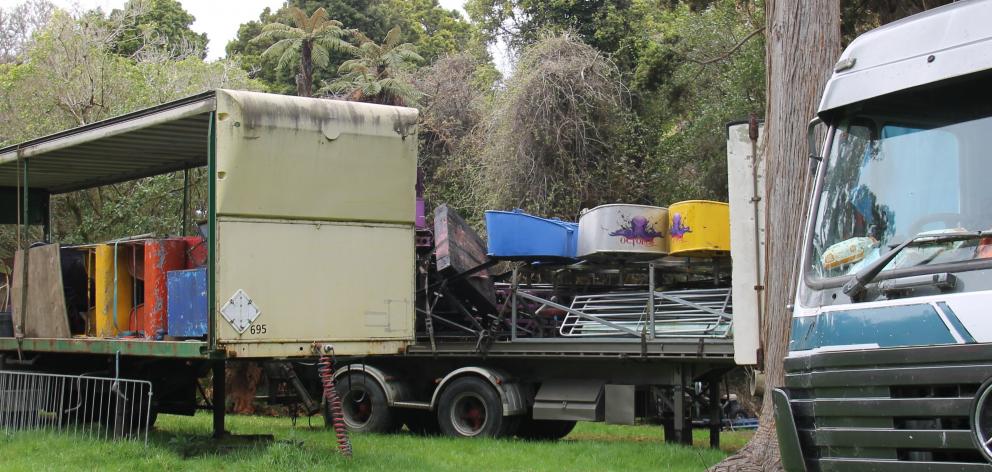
(621, 318)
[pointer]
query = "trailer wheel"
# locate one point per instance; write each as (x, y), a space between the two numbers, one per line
(364, 405)
(544, 430)
(470, 407)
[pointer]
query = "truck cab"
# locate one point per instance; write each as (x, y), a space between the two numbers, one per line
(889, 362)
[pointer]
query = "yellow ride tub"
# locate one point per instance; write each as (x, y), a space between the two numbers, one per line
(698, 228)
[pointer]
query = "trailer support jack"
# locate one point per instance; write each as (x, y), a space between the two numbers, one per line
(218, 401)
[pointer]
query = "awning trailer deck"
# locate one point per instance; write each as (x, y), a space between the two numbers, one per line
(287, 176)
(167, 138)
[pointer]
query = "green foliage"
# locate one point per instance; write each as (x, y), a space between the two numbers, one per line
(163, 23)
(610, 26)
(375, 74)
(690, 83)
(423, 23)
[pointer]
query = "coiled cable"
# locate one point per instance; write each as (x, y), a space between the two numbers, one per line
(326, 371)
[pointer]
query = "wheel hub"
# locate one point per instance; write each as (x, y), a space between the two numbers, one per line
(469, 415)
(357, 407)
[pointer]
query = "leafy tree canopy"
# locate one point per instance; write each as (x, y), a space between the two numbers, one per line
(310, 41)
(164, 23)
(433, 30)
(374, 75)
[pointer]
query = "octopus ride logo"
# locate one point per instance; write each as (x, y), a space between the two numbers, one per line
(679, 227)
(637, 230)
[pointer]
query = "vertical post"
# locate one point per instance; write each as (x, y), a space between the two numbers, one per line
(211, 241)
(25, 208)
(47, 217)
(218, 400)
(715, 412)
(513, 307)
(185, 222)
(219, 367)
(687, 409)
(651, 332)
(679, 401)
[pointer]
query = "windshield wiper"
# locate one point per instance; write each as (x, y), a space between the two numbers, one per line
(856, 285)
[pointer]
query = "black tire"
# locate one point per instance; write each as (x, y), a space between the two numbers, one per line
(363, 405)
(421, 422)
(127, 415)
(544, 430)
(470, 407)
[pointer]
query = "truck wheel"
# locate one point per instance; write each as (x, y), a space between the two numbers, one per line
(544, 430)
(128, 416)
(363, 405)
(470, 407)
(421, 422)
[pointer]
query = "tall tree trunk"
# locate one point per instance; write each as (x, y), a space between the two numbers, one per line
(304, 83)
(803, 43)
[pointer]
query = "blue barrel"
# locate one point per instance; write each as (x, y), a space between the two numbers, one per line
(518, 235)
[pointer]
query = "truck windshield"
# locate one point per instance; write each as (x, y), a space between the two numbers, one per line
(889, 179)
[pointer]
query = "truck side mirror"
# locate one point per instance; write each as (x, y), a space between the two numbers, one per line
(813, 143)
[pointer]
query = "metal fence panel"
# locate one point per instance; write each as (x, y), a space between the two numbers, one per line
(94, 407)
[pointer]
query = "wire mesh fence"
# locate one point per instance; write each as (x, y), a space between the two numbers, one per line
(95, 407)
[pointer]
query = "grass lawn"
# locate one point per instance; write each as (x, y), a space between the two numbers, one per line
(181, 443)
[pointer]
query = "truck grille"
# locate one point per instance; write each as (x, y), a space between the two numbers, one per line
(903, 409)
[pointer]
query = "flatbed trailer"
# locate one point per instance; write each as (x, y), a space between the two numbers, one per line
(399, 365)
(602, 350)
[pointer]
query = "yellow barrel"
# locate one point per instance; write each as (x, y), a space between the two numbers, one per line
(108, 322)
(698, 228)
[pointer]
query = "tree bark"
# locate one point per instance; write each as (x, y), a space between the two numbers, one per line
(304, 86)
(803, 43)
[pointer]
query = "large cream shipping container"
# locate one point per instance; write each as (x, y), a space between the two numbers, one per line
(314, 225)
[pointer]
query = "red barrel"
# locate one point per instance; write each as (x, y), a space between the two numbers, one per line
(161, 256)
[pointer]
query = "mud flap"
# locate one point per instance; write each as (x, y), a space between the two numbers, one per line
(788, 437)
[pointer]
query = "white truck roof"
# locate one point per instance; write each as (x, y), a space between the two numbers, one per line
(950, 41)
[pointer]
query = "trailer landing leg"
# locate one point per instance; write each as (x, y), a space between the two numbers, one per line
(714, 404)
(681, 425)
(219, 401)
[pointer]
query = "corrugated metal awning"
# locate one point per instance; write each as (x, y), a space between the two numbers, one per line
(166, 138)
